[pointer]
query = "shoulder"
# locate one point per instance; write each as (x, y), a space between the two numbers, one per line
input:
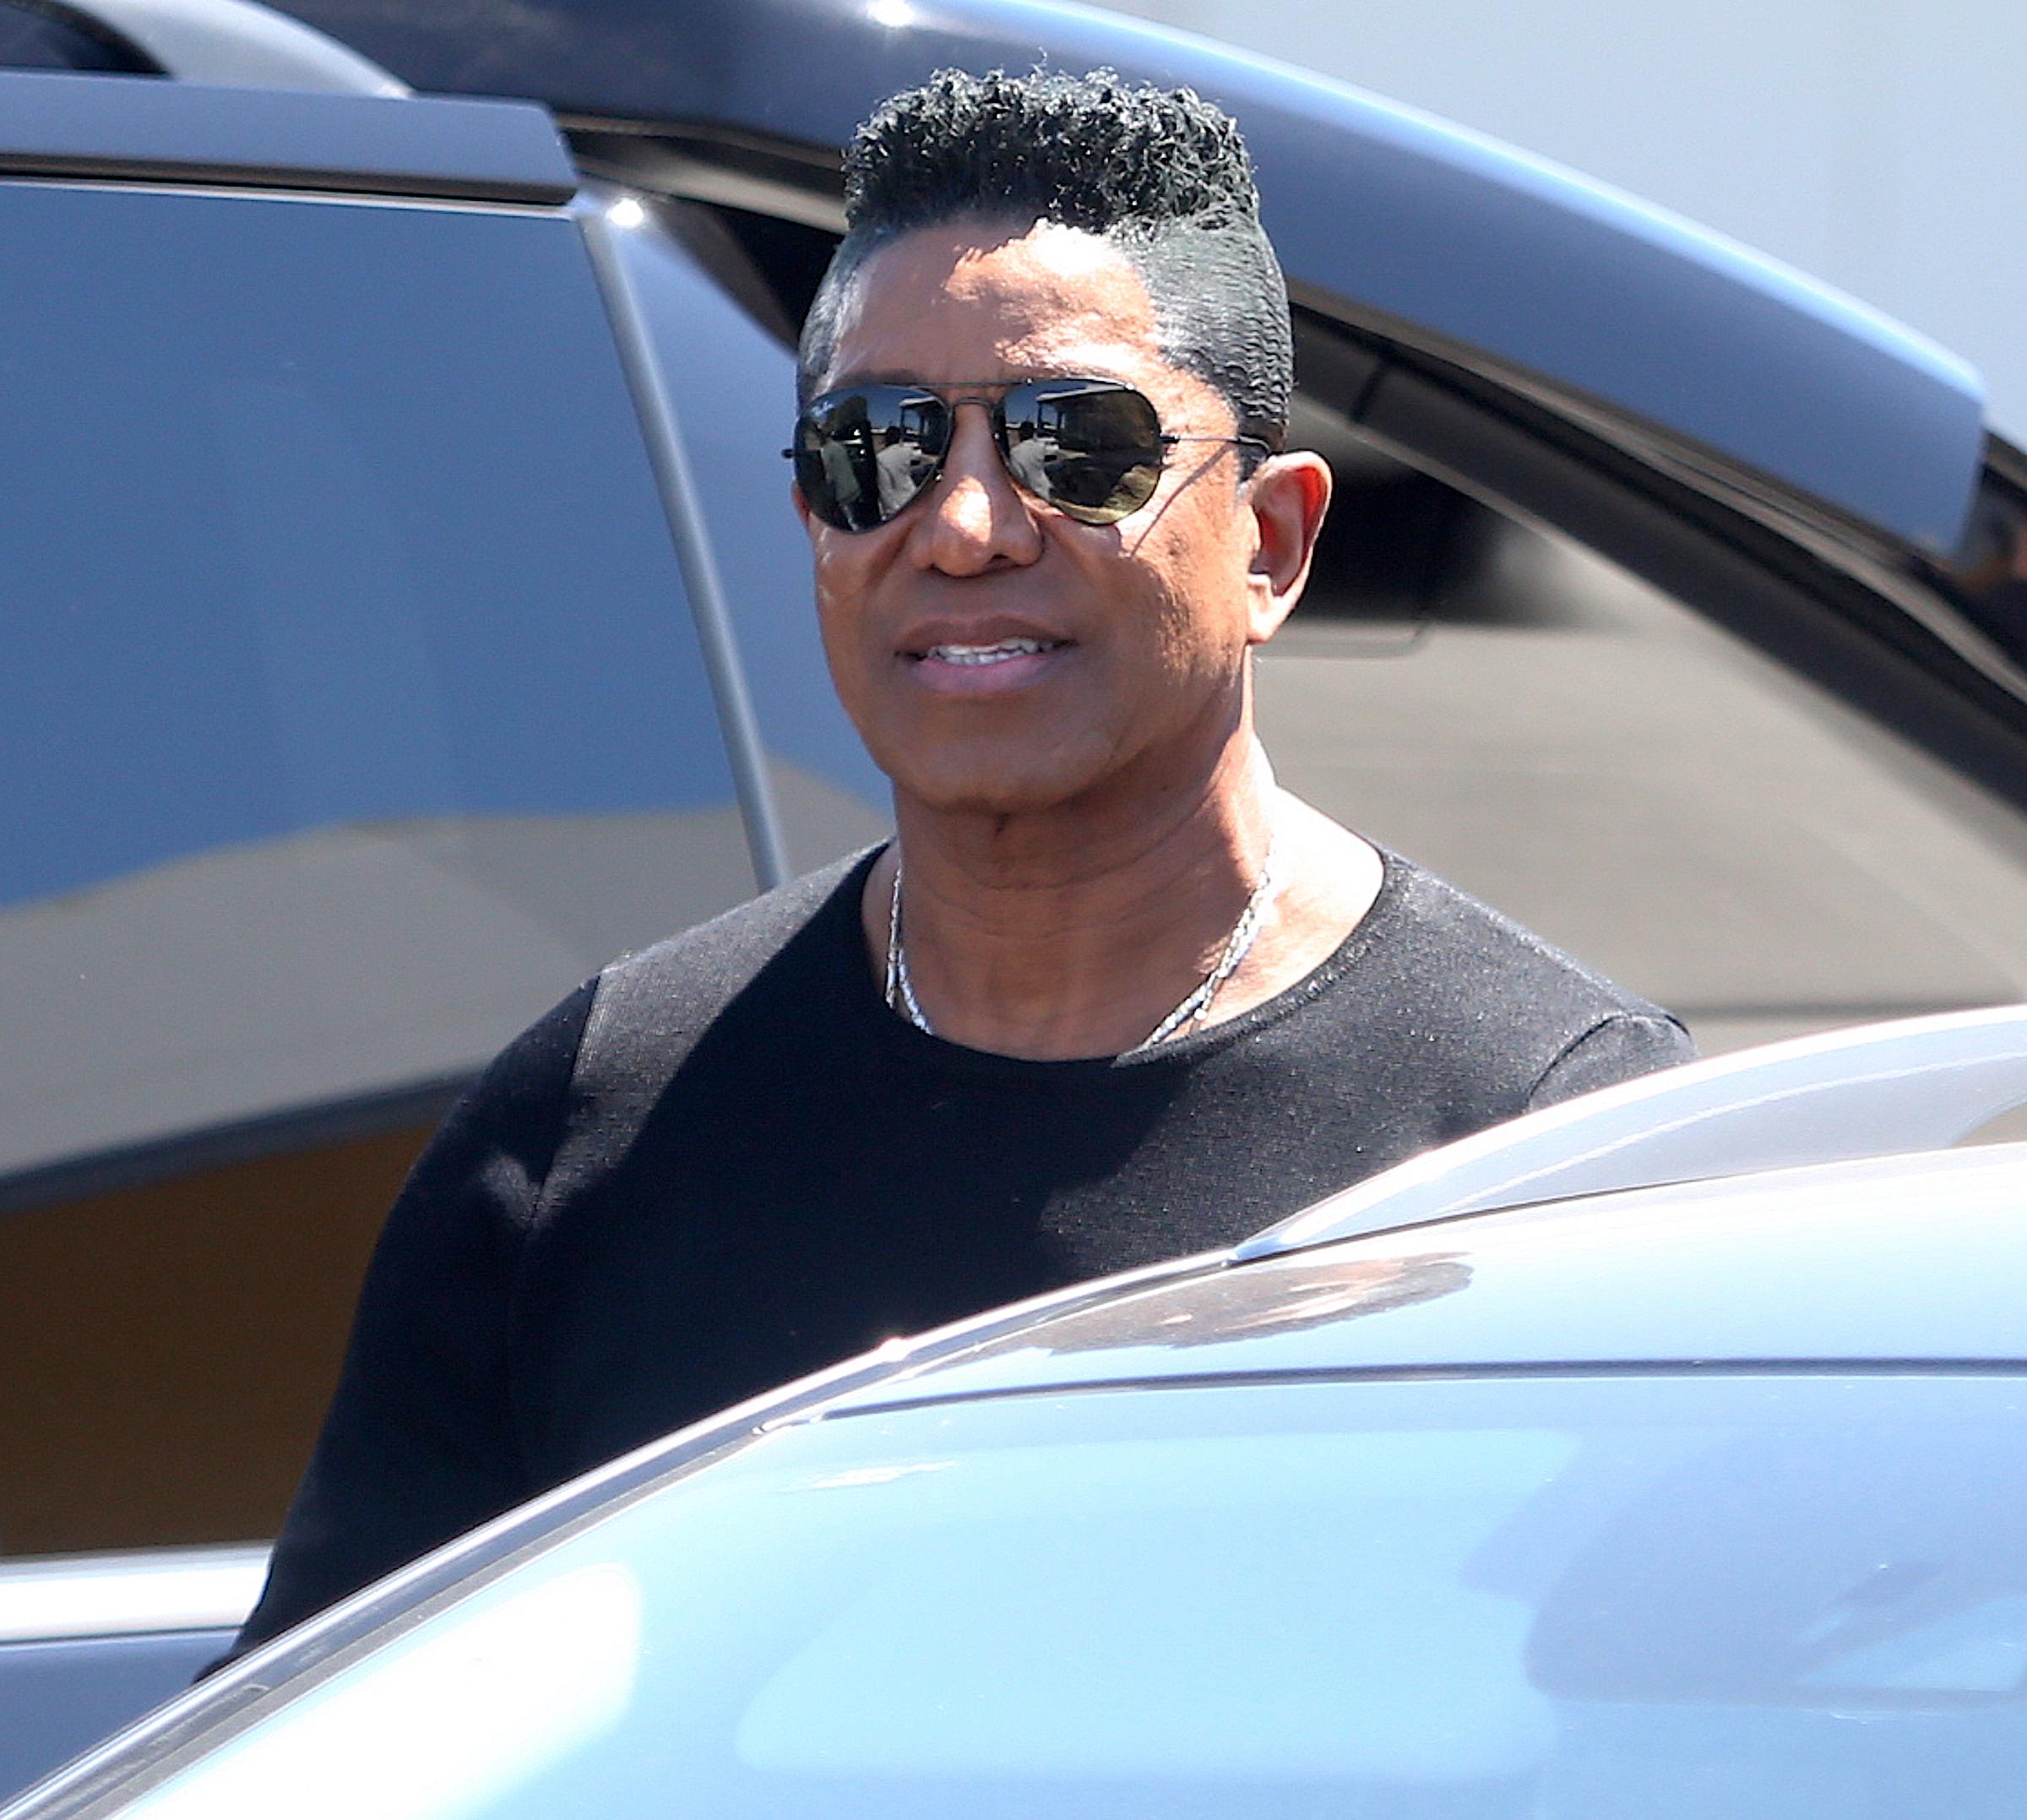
(1532, 1023)
(574, 1083)
(695, 974)
(650, 1007)
(777, 955)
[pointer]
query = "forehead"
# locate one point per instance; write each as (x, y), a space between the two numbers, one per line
(978, 300)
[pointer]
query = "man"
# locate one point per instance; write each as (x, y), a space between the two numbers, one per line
(1110, 996)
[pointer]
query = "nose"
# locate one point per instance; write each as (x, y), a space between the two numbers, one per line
(975, 518)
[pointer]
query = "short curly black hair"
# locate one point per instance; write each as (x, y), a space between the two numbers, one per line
(1161, 173)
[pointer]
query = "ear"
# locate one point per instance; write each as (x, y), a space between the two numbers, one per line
(1288, 495)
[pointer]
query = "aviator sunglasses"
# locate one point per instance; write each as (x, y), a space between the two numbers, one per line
(1092, 449)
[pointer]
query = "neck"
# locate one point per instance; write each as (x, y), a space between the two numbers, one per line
(1073, 931)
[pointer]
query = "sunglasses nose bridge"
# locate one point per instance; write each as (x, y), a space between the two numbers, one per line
(995, 426)
(993, 408)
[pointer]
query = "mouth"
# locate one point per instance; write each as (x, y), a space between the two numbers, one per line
(977, 656)
(980, 667)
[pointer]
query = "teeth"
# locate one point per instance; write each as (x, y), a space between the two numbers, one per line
(988, 653)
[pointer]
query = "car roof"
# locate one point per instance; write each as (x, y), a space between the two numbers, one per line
(1881, 1261)
(1398, 217)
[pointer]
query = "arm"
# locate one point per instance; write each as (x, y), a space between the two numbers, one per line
(419, 1444)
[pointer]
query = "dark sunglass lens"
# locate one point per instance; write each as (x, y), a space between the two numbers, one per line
(862, 455)
(1093, 450)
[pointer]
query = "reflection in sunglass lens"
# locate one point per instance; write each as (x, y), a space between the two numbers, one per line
(1101, 448)
(863, 454)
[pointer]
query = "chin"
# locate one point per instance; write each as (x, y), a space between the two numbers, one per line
(988, 796)
(994, 787)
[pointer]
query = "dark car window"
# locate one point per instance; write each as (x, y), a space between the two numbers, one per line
(1725, 1598)
(351, 714)
(737, 409)
(1625, 776)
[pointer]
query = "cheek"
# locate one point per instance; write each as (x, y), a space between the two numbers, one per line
(842, 627)
(843, 579)
(1197, 601)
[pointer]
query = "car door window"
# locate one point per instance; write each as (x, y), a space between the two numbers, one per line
(352, 713)
(735, 410)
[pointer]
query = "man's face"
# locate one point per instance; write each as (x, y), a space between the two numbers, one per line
(1143, 625)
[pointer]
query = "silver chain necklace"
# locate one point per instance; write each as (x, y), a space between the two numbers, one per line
(901, 988)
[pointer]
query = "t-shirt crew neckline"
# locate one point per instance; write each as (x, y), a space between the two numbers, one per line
(906, 1042)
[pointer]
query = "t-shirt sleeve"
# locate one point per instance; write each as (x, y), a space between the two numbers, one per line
(1620, 1047)
(420, 1443)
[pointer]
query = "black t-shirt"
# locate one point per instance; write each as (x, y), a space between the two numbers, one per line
(725, 1163)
